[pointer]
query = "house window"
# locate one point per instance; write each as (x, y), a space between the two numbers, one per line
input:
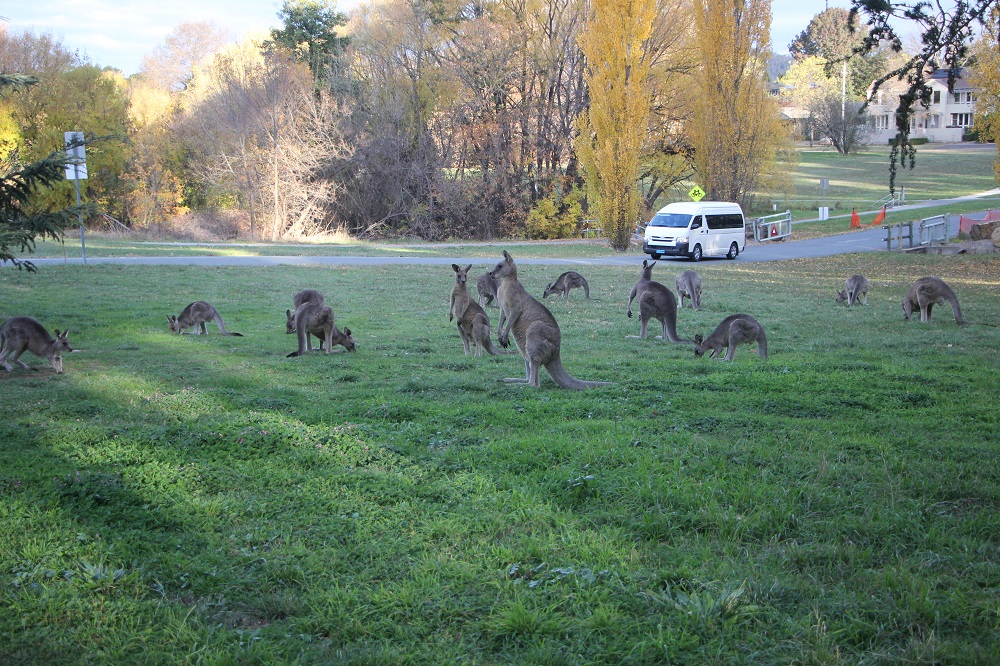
(933, 121)
(961, 119)
(937, 96)
(957, 97)
(880, 98)
(972, 97)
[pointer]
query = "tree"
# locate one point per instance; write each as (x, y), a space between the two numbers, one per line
(984, 75)
(843, 121)
(734, 127)
(946, 30)
(189, 46)
(309, 31)
(612, 130)
(20, 223)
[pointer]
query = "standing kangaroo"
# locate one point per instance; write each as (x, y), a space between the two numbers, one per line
(857, 287)
(304, 296)
(655, 302)
(24, 333)
(689, 286)
(195, 316)
(487, 286)
(316, 319)
(535, 330)
(565, 282)
(473, 324)
(734, 330)
(927, 292)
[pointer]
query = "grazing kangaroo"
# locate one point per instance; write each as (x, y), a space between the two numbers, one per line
(655, 302)
(24, 333)
(857, 287)
(304, 296)
(927, 292)
(487, 288)
(536, 331)
(689, 286)
(473, 323)
(565, 282)
(734, 330)
(316, 319)
(194, 316)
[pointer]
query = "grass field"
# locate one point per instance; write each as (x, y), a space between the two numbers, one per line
(183, 499)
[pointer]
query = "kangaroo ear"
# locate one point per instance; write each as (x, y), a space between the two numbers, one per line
(455, 268)
(698, 339)
(58, 335)
(506, 255)
(347, 331)
(288, 313)
(645, 264)
(468, 268)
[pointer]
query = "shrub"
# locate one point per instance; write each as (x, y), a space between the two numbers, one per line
(555, 218)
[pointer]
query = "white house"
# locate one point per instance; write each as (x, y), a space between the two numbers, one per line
(948, 117)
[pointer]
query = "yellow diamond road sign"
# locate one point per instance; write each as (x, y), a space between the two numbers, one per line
(697, 193)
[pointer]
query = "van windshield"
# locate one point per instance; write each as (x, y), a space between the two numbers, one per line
(676, 220)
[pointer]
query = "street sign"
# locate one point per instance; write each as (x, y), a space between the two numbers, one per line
(697, 193)
(76, 169)
(824, 184)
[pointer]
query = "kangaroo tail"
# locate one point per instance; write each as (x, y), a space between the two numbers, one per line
(586, 287)
(235, 335)
(222, 327)
(564, 380)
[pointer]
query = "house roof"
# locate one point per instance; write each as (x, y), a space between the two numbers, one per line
(941, 76)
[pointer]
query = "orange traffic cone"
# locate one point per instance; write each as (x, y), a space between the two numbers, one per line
(880, 218)
(855, 219)
(774, 230)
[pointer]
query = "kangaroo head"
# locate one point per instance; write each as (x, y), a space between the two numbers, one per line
(175, 326)
(461, 274)
(290, 324)
(549, 290)
(699, 343)
(907, 309)
(504, 268)
(841, 295)
(647, 268)
(345, 339)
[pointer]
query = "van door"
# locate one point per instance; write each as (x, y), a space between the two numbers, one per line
(700, 236)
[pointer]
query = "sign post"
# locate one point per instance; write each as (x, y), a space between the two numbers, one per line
(76, 168)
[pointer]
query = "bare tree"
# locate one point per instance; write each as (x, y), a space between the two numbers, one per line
(844, 122)
(189, 46)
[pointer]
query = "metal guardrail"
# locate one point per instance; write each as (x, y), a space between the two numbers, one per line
(891, 200)
(929, 231)
(933, 230)
(771, 227)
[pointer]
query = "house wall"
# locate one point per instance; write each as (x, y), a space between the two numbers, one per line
(949, 116)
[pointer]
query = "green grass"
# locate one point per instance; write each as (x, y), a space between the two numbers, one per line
(859, 180)
(183, 499)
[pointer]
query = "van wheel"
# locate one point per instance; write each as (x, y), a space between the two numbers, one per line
(655, 255)
(696, 253)
(734, 251)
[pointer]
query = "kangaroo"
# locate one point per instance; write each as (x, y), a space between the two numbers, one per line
(734, 330)
(689, 286)
(857, 287)
(304, 296)
(24, 333)
(195, 316)
(565, 282)
(487, 288)
(536, 331)
(316, 319)
(473, 323)
(655, 302)
(927, 292)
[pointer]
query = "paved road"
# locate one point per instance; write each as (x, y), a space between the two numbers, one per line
(868, 240)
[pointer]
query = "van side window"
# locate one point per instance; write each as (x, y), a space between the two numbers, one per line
(727, 221)
(696, 222)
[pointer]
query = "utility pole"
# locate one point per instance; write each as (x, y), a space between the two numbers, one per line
(843, 106)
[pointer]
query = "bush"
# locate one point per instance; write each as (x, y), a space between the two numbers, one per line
(915, 141)
(551, 218)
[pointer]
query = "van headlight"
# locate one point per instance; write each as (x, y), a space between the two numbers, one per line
(682, 239)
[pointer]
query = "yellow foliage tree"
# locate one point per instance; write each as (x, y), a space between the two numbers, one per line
(985, 76)
(735, 128)
(612, 130)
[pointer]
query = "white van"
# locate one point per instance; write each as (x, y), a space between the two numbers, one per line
(695, 230)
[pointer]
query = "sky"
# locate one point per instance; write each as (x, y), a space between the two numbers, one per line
(118, 33)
